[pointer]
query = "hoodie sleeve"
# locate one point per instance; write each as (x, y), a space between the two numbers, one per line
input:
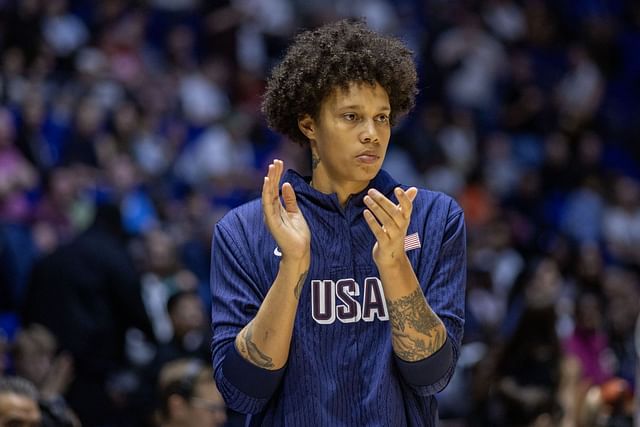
(236, 297)
(445, 294)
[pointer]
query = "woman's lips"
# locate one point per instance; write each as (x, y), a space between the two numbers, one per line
(368, 158)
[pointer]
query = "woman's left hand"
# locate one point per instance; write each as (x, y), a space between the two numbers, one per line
(389, 223)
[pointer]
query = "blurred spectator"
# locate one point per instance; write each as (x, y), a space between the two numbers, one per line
(80, 147)
(40, 133)
(188, 396)
(581, 217)
(18, 403)
(202, 93)
(529, 371)
(63, 210)
(17, 176)
(473, 60)
(580, 91)
(190, 337)
(622, 294)
(524, 102)
(621, 221)
(163, 277)
(35, 359)
(126, 184)
(63, 31)
(540, 284)
(87, 294)
(501, 170)
(505, 18)
(588, 342)
(215, 154)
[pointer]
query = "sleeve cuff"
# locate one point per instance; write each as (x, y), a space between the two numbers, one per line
(429, 370)
(248, 378)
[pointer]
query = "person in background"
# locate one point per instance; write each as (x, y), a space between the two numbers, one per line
(35, 359)
(87, 293)
(18, 403)
(188, 396)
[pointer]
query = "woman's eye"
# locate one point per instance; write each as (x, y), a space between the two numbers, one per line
(383, 118)
(350, 117)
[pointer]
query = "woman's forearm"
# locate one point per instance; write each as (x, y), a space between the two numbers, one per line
(266, 339)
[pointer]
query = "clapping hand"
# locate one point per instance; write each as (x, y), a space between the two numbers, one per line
(285, 222)
(389, 223)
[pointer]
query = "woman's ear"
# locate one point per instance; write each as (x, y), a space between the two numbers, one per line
(307, 126)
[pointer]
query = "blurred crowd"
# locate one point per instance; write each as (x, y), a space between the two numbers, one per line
(128, 128)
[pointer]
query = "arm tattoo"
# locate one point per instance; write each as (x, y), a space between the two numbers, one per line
(416, 331)
(252, 352)
(315, 161)
(298, 289)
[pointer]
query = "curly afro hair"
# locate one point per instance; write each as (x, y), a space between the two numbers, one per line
(331, 56)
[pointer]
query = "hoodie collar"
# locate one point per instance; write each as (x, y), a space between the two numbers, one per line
(382, 182)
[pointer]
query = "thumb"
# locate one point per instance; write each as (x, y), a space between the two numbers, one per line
(289, 197)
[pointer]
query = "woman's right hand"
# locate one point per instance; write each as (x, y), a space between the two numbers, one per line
(285, 222)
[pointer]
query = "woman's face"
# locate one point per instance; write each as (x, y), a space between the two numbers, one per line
(349, 137)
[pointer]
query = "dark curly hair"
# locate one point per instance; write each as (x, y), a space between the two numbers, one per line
(331, 56)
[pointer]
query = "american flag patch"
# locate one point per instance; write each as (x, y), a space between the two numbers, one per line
(412, 241)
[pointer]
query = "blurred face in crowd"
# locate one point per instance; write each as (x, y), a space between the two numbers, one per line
(34, 364)
(34, 353)
(18, 411)
(161, 253)
(544, 286)
(588, 313)
(187, 315)
(206, 406)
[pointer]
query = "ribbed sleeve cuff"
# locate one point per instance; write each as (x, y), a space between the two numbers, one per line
(255, 382)
(427, 371)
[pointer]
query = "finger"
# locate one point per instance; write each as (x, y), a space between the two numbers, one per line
(270, 199)
(405, 201)
(375, 226)
(278, 166)
(412, 193)
(381, 215)
(386, 204)
(289, 196)
(267, 198)
(273, 180)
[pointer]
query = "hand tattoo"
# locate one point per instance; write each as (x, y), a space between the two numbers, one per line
(411, 312)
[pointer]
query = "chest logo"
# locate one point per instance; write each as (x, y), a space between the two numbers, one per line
(339, 300)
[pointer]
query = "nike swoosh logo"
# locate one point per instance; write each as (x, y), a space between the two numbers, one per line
(277, 252)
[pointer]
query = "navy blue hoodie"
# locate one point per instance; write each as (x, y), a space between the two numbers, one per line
(341, 369)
